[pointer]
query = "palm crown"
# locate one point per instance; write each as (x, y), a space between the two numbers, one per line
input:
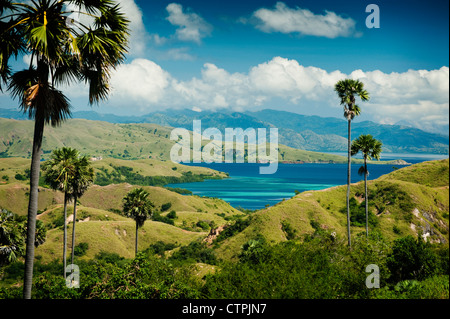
(62, 51)
(368, 146)
(136, 205)
(347, 91)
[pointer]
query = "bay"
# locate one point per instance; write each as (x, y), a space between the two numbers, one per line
(248, 189)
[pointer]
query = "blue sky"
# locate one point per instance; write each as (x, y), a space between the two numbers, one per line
(286, 55)
(413, 34)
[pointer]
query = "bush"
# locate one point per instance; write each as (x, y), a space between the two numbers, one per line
(163, 219)
(203, 225)
(172, 214)
(108, 257)
(160, 247)
(289, 231)
(358, 214)
(195, 252)
(165, 206)
(81, 249)
(412, 259)
(20, 177)
(254, 251)
(233, 229)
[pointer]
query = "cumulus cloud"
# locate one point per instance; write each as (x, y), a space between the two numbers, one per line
(419, 97)
(138, 35)
(287, 20)
(191, 27)
(139, 84)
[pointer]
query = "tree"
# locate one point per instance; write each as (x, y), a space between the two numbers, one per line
(58, 174)
(83, 177)
(347, 91)
(137, 206)
(12, 236)
(62, 51)
(370, 148)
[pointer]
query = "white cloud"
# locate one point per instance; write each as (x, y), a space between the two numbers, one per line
(420, 97)
(286, 20)
(138, 84)
(138, 36)
(191, 27)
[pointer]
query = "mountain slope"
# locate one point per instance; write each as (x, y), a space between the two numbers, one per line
(120, 141)
(395, 138)
(401, 203)
(313, 133)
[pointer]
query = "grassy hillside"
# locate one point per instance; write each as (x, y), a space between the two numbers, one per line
(14, 179)
(109, 232)
(103, 229)
(119, 141)
(402, 203)
(100, 225)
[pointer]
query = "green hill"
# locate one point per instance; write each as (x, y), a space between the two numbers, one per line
(100, 224)
(402, 203)
(121, 141)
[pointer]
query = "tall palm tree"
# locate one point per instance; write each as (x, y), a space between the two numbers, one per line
(58, 173)
(347, 91)
(82, 179)
(136, 205)
(61, 51)
(370, 148)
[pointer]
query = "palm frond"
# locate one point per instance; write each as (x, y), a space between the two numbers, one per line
(362, 171)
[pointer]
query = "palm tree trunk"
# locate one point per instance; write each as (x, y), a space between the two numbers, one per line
(65, 234)
(33, 203)
(367, 203)
(136, 242)
(348, 182)
(73, 227)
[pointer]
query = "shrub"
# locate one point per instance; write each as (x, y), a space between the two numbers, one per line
(172, 214)
(289, 231)
(81, 249)
(163, 219)
(233, 229)
(195, 252)
(412, 259)
(160, 247)
(165, 206)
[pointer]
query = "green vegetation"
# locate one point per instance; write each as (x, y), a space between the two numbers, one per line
(66, 54)
(199, 247)
(137, 206)
(122, 142)
(125, 174)
(318, 266)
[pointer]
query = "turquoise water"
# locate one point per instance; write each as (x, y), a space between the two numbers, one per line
(248, 189)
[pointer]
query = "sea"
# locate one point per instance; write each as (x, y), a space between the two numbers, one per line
(247, 188)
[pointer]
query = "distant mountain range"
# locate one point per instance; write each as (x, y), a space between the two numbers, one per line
(312, 133)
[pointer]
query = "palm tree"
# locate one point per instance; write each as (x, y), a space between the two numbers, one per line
(370, 148)
(82, 179)
(12, 236)
(58, 173)
(61, 51)
(136, 205)
(347, 91)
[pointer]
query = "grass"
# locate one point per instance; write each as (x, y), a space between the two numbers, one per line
(119, 141)
(431, 173)
(412, 207)
(116, 236)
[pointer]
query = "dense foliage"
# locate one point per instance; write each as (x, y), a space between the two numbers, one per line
(318, 266)
(123, 174)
